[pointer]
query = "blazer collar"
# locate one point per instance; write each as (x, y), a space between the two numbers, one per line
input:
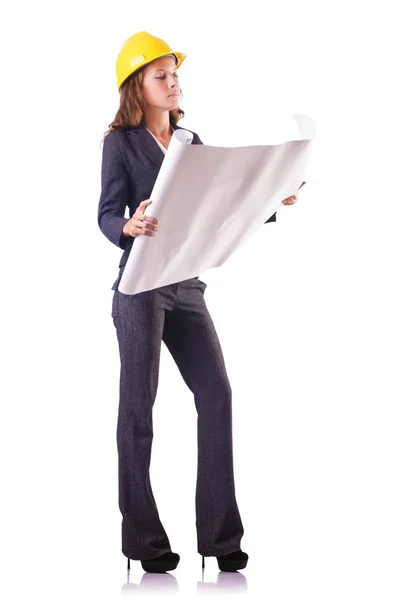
(147, 143)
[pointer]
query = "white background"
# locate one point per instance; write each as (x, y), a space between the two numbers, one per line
(305, 312)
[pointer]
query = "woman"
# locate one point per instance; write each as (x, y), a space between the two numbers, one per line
(133, 150)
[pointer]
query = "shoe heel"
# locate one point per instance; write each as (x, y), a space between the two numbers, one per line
(128, 564)
(202, 562)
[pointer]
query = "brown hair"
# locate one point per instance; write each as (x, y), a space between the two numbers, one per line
(130, 111)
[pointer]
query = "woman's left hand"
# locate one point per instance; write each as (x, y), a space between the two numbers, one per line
(294, 198)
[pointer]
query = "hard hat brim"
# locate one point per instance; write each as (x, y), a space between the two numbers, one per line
(180, 57)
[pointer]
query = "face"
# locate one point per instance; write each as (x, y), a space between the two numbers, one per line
(160, 87)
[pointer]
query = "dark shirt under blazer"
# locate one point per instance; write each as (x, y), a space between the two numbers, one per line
(131, 161)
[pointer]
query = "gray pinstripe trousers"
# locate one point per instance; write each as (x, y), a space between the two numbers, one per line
(178, 315)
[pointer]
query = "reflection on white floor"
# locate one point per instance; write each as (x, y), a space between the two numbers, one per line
(235, 583)
(232, 582)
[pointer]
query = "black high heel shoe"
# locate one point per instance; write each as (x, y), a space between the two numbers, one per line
(231, 562)
(166, 562)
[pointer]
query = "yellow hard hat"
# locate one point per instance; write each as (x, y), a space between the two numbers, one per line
(139, 50)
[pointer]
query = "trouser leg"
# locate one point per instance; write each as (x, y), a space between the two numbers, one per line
(191, 338)
(139, 321)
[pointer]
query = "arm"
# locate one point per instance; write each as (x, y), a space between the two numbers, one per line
(196, 139)
(115, 192)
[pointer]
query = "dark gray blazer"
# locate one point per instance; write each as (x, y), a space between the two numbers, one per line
(131, 160)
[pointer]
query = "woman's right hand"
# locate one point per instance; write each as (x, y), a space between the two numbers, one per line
(141, 224)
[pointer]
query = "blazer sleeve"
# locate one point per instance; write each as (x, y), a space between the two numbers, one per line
(196, 139)
(270, 219)
(115, 192)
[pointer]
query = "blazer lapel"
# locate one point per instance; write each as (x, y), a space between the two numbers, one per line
(147, 143)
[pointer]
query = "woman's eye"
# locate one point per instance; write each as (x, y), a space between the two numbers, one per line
(163, 76)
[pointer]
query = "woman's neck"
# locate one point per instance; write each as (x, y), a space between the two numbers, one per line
(158, 124)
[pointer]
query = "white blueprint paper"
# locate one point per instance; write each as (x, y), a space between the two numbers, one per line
(209, 200)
